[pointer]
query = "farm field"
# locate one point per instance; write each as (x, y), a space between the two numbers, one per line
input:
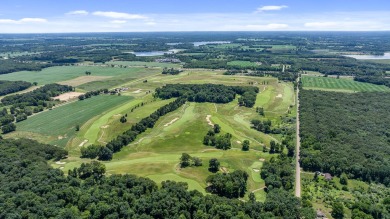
(65, 73)
(156, 152)
(146, 64)
(57, 126)
(342, 85)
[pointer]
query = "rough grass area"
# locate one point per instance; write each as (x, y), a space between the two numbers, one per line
(342, 85)
(243, 64)
(59, 124)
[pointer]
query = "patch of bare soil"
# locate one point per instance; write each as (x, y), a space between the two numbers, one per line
(83, 143)
(209, 121)
(67, 96)
(171, 122)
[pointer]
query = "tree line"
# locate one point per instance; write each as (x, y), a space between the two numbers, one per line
(214, 93)
(8, 87)
(31, 188)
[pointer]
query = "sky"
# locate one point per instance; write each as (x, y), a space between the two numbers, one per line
(63, 16)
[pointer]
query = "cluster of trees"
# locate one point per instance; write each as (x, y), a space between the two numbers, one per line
(188, 161)
(260, 111)
(262, 126)
(171, 71)
(115, 145)
(36, 97)
(218, 141)
(8, 66)
(278, 173)
(93, 93)
(96, 151)
(8, 87)
(230, 185)
(353, 140)
(214, 165)
(214, 93)
(31, 188)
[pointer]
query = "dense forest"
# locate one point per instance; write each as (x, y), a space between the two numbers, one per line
(30, 188)
(214, 93)
(8, 87)
(346, 133)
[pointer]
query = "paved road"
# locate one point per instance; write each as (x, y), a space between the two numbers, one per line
(297, 167)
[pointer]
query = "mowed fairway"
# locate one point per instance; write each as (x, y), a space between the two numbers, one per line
(59, 124)
(342, 85)
(156, 152)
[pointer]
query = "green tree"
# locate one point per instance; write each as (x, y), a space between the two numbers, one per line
(185, 160)
(245, 145)
(344, 179)
(272, 147)
(77, 128)
(217, 128)
(214, 165)
(337, 210)
(105, 154)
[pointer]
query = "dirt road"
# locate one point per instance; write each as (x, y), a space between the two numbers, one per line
(297, 167)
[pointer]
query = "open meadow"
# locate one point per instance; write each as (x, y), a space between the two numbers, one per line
(342, 85)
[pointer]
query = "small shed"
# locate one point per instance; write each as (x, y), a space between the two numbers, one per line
(328, 176)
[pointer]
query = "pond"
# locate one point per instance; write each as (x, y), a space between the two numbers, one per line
(152, 53)
(202, 43)
(385, 56)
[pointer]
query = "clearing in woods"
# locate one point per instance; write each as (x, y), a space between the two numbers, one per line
(342, 85)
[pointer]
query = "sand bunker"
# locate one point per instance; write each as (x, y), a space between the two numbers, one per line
(238, 142)
(137, 91)
(68, 96)
(171, 122)
(279, 96)
(60, 137)
(256, 170)
(83, 143)
(60, 163)
(105, 126)
(209, 121)
(262, 159)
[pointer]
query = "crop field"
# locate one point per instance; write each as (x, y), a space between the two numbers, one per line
(242, 64)
(65, 73)
(59, 124)
(156, 152)
(342, 85)
(144, 64)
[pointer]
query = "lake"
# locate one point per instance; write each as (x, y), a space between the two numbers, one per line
(385, 56)
(202, 43)
(152, 53)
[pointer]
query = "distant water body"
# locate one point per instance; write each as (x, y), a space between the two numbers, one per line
(385, 56)
(152, 53)
(210, 42)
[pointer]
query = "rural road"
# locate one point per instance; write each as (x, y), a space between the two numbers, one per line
(297, 167)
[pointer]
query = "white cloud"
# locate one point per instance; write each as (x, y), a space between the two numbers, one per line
(321, 24)
(272, 8)
(260, 27)
(118, 22)
(79, 12)
(118, 15)
(23, 21)
(150, 23)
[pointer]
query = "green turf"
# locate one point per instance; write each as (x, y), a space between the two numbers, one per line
(244, 64)
(343, 85)
(63, 73)
(145, 64)
(62, 121)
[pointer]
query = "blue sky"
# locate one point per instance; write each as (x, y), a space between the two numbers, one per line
(32, 16)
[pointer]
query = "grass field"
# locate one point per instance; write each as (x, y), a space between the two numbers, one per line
(65, 73)
(58, 125)
(342, 85)
(156, 152)
(146, 64)
(243, 64)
